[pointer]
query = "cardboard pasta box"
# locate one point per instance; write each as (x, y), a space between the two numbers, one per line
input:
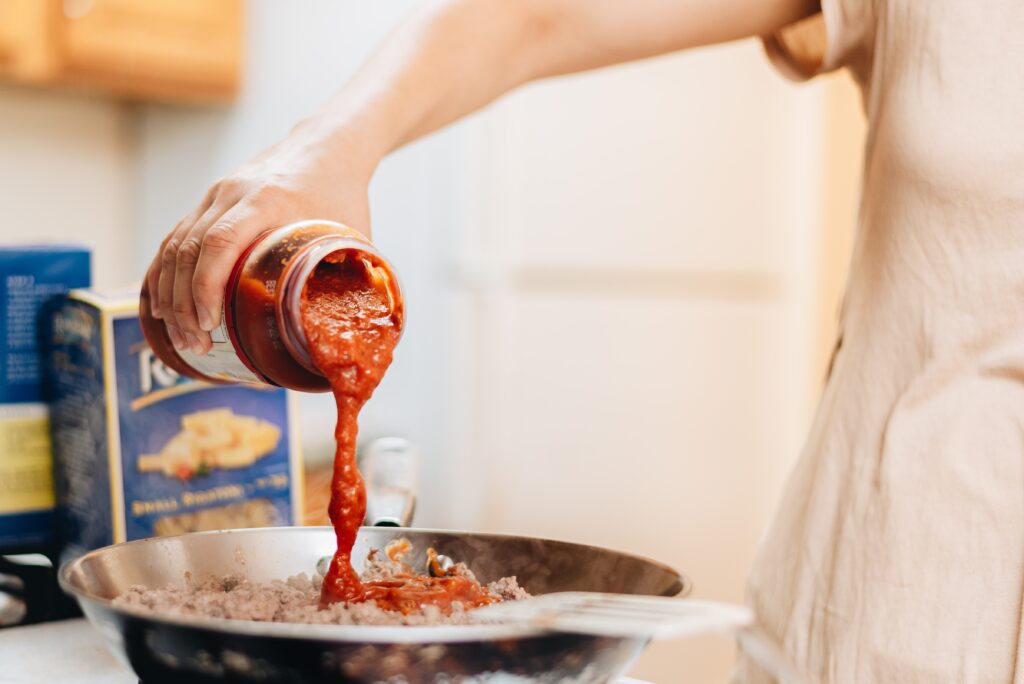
(31, 279)
(140, 451)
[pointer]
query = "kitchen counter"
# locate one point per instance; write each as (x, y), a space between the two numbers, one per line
(69, 651)
(65, 651)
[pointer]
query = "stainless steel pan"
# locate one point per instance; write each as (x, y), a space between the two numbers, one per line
(162, 649)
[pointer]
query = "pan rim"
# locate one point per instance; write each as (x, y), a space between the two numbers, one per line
(377, 634)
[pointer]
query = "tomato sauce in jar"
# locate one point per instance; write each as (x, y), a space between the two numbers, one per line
(260, 338)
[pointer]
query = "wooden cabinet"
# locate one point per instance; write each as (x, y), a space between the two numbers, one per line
(170, 50)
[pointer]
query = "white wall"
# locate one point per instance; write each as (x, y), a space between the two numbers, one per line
(637, 292)
(66, 176)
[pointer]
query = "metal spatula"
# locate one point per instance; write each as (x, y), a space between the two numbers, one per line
(646, 617)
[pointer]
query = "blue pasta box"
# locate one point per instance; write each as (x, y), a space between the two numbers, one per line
(32, 278)
(140, 451)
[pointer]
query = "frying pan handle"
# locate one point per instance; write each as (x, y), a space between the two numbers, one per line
(741, 622)
(763, 650)
(390, 468)
(753, 640)
(400, 514)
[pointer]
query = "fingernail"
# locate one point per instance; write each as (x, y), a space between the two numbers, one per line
(205, 319)
(194, 344)
(176, 338)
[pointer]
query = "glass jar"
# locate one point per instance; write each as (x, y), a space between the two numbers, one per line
(260, 339)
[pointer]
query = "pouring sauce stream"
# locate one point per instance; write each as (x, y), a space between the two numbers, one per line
(351, 328)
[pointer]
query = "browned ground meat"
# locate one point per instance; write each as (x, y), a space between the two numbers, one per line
(297, 599)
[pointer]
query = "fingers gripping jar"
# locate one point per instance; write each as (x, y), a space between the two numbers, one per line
(260, 339)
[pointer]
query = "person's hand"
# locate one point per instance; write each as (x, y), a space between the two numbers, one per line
(300, 178)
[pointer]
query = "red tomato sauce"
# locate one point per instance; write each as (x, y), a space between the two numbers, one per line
(351, 335)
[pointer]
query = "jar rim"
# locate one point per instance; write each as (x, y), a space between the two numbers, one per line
(293, 283)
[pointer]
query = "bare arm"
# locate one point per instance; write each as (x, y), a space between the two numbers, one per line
(448, 60)
(455, 57)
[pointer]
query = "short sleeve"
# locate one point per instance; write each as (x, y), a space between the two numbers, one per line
(840, 35)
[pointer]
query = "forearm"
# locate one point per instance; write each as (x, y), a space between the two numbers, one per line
(447, 60)
(454, 57)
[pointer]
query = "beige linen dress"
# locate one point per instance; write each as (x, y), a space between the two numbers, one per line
(897, 554)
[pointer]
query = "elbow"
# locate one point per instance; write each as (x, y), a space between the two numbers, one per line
(524, 37)
(543, 31)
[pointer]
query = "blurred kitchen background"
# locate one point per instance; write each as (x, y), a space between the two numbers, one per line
(622, 286)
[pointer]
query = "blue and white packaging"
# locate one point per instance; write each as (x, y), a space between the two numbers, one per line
(141, 451)
(31, 279)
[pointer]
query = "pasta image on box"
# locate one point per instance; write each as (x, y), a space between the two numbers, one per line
(140, 451)
(214, 438)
